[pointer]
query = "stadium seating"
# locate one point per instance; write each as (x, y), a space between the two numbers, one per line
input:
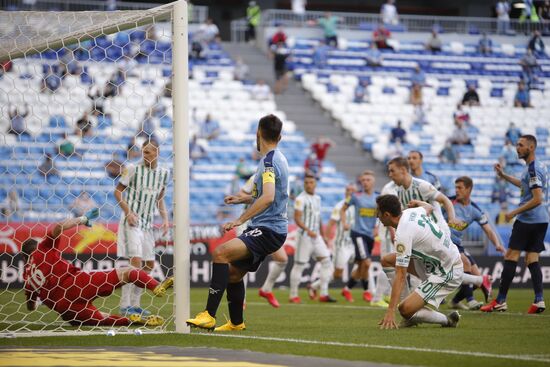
(448, 74)
(212, 91)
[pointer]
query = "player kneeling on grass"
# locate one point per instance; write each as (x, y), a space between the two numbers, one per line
(70, 291)
(425, 251)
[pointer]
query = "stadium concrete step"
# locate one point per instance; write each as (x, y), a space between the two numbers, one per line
(310, 118)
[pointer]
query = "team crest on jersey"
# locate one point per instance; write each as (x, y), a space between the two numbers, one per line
(269, 169)
(400, 248)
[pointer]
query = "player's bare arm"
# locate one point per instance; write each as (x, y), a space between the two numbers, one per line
(325, 237)
(500, 173)
(163, 213)
(417, 203)
(240, 198)
(388, 322)
(343, 210)
(493, 237)
(131, 217)
(329, 229)
(535, 201)
(261, 204)
(301, 225)
(450, 209)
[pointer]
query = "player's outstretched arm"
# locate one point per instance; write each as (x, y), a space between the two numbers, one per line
(421, 204)
(500, 173)
(450, 209)
(86, 219)
(388, 322)
(493, 237)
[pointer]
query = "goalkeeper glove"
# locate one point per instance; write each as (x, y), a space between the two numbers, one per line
(90, 215)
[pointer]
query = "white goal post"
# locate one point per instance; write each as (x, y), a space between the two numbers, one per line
(26, 37)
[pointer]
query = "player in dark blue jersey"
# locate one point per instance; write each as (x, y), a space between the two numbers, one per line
(415, 159)
(529, 228)
(265, 234)
(468, 212)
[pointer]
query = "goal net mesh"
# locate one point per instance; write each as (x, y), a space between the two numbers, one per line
(79, 93)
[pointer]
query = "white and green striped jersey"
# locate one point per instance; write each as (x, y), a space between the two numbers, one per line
(423, 191)
(417, 236)
(386, 245)
(342, 236)
(310, 206)
(143, 188)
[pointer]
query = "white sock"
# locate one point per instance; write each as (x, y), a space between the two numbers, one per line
(135, 296)
(295, 277)
(275, 270)
(326, 275)
(382, 287)
(476, 280)
(429, 316)
(390, 273)
(126, 290)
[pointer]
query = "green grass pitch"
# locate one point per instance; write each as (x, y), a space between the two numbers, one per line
(342, 331)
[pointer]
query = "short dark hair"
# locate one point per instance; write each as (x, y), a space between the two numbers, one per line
(270, 127)
(309, 175)
(151, 141)
(400, 162)
(417, 152)
(467, 181)
(529, 138)
(390, 204)
(28, 247)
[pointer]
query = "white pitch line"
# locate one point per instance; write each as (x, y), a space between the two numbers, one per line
(531, 358)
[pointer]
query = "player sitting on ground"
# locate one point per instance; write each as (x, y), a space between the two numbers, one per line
(426, 251)
(70, 291)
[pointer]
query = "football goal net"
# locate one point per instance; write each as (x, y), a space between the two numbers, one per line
(94, 114)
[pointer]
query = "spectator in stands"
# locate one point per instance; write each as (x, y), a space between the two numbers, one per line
(388, 13)
(260, 91)
(418, 77)
(460, 136)
(500, 192)
(280, 53)
(434, 43)
(243, 171)
(529, 65)
(313, 165)
(114, 85)
(209, 129)
(373, 56)
(82, 204)
(253, 16)
(509, 157)
(415, 97)
(167, 92)
(320, 55)
(419, 116)
(199, 44)
(522, 98)
(361, 94)
(448, 154)
(278, 37)
(536, 44)
(298, 7)
(544, 16)
(380, 36)
(17, 120)
(148, 125)
(114, 167)
(398, 134)
(127, 65)
(321, 146)
(10, 206)
(240, 72)
(513, 133)
(461, 117)
(150, 33)
(84, 122)
(47, 167)
(51, 81)
(485, 45)
(133, 151)
(210, 30)
(503, 18)
(329, 24)
(197, 149)
(471, 98)
(98, 99)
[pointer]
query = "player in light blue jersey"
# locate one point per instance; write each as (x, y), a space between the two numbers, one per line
(266, 233)
(363, 231)
(415, 159)
(468, 212)
(529, 228)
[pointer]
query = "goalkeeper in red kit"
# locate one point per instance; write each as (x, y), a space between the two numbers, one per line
(70, 291)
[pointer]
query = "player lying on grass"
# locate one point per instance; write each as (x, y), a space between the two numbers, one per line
(70, 291)
(426, 251)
